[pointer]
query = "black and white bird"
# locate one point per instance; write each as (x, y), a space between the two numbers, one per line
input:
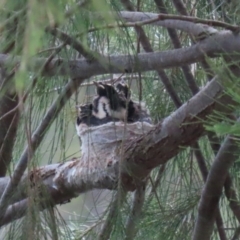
(108, 102)
(112, 103)
(85, 116)
(136, 111)
(106, 107)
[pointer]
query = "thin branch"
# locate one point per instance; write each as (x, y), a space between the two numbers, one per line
(135, 214)
(8, 126)
(114, 210)
(232, 197)
(161, 19)
(236, 234)
(10, 19)
(88, 54)
(122, 25)
(157, 181)
(14, 212)
(213, 189)
(199, 20)
(180, 7)
(204, 172)
(228, 186)
(177, 44)
(32, 85)
(182, 10)
(35, 142)
(199, 31)
(52, 48)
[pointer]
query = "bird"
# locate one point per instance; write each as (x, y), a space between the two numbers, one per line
(108, 102)
(86, 116)
(111, 104)
(136, 111)
(104, 108)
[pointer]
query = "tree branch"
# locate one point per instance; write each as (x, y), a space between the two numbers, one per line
(182, 10)
(197, 30)
(88, 54)
(8, 126)
(134, 215)
(35, 142)
(223, 42)
(61, 184)
(213, 189)
(114, 210)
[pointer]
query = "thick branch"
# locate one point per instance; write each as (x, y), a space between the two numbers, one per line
(63, 182)
(223, 42)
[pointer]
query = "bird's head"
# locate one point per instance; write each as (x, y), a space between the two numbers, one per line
(123, 90)
(105, 90)
(109, 92)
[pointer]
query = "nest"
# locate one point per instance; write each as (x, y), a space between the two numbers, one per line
(101, 144)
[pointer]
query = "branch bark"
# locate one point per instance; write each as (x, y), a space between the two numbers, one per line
(213, 189)
(224, 42)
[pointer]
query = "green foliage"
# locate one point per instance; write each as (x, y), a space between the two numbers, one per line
(169, 212)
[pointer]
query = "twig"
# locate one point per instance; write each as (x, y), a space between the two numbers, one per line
(133, 218)
(88, 54)
(162, 17)
(89, 229)
(236, 234)
(199, 20)
(112, 215)
(182, 10)
(121, 25)
(12, 17)
(52, 48)
(157, 181)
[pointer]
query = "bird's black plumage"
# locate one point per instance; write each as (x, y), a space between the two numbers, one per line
(108, 91)
(112, 103)
(136, 111)
(109, 101)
